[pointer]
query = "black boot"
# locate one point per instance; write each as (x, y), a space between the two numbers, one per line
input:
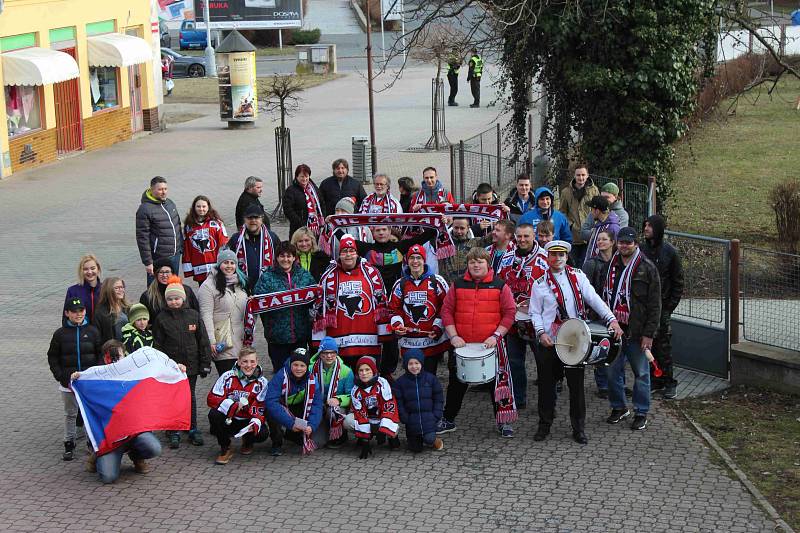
(69, 450)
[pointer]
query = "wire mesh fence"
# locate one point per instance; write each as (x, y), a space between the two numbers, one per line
(770, 297)
(706, 274)
(637, 200)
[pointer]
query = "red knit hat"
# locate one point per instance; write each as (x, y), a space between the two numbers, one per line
(347, 242)
(369, 361)
(417, 249)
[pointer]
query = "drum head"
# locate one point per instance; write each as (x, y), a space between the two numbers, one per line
(474, 350)
(573, 341)
(522, 316)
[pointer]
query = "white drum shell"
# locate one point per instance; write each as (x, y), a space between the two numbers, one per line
(475, 363)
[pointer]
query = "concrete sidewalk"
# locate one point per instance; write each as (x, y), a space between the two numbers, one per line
(662, 479)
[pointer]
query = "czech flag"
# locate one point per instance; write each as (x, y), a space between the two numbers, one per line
(142, 392)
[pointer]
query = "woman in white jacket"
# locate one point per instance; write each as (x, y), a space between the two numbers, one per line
(223, 300)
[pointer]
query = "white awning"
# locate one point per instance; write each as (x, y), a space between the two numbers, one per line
(37, 66)
(118, 50)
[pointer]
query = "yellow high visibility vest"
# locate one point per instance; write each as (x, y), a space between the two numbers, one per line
(478, 68)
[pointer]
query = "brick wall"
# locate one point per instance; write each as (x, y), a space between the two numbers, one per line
(151, 119)
(106, 128)
(33, 150)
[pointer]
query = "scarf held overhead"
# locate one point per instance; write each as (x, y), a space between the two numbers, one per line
(475, 211)
(264, 303)
(445, 246)
(266, 250)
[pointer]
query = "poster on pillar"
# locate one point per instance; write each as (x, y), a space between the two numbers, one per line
(392, 9)
(251, 14)
(238, 96)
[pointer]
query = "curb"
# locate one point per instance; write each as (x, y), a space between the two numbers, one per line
(762, 501)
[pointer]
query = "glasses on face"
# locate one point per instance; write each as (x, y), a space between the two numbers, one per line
(164, 272)
(119, 288)
(349, 251)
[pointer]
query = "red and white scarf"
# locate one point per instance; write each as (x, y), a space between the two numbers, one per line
(335, 414)
(441, 196)
(506, 258)
(562, 307)
(387, 204)
(504, 387)
(521, 272)
(445, 246)
(315, 217)
(620, 300)
(327, 306)
(591, 249)
(266, 249)
(472, 211)
(264, 303)
(311, 389)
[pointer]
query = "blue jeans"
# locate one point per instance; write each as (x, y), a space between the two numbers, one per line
(517, 348)
(142, 446)
(175, 262)
(632, 352)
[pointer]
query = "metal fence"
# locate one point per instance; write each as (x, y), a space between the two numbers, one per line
(770, 297)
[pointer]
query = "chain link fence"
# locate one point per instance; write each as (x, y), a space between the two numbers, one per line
(770, 297)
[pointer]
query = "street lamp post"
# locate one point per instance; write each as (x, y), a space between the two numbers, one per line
(211, 62)
(373, 148)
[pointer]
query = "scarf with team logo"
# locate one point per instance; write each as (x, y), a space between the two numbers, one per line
(264, 303)
(387, 204)
(619, 299)
(311, 389)
(327, 309)
(444, 248)
(563, 315)
(335, 414)
(315, 217)
(266, 249)
(471, 211)
(503, 260)
(504, 387)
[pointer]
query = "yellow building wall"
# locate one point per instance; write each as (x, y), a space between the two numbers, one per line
(40, 16)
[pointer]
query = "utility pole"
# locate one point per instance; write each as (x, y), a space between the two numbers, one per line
(211, 61)
(373, 148)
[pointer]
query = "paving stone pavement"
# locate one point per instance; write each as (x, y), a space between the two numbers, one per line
(662, 479)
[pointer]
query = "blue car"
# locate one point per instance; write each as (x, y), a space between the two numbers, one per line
(191, 37)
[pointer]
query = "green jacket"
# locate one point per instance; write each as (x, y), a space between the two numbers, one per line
(575, 206)
(345, 384)
(292, 324)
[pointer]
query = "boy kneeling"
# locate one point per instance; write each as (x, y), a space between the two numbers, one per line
(237, 404)
(374, 407)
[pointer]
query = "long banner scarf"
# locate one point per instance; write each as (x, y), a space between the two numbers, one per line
(387, 204)
(326, 316)
(445, 246)
(315, 217)
(591, 249)
(477, 211)
(504, 387)
(311, 389)
(562, 307)
(334, 413)
(619, 300)
(264, 303)
(266, 249)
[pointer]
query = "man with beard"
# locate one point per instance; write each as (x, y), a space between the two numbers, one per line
(560, 294)
(526, 265)
(670, 270)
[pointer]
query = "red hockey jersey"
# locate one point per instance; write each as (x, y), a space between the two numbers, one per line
(231, 386)
(375, 404)
(416, 304)
(201, 245)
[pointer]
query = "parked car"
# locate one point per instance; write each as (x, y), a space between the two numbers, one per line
(166, 40)
(185, 66)
(190, 36)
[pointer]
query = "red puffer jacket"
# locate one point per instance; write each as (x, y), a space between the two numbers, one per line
(477, 308)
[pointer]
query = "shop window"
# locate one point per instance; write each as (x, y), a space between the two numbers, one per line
(103, 84)
(23, 109)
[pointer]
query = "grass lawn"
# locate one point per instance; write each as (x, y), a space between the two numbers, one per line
(726, 167)
(206, 90)
(760, 430)
(287, 50)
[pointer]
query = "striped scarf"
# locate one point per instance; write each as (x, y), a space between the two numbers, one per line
(311, 389)
(619, 298)
(387, 204)
(335, 414)
(327, 306)
(504, 387)
(591, 249)
(266, 249)
(315, 217)
(562, 307)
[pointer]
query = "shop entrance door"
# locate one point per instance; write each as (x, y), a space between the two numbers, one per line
(69, 127)
(135, 84)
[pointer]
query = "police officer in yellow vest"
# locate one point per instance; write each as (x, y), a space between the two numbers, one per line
(453, 66)
(474, 77)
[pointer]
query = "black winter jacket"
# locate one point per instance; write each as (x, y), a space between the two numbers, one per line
(252, 247)
(668, 263)
(108, 323)
(295, 208)
(158, 229)
(180, 334)
(246, 199)
(190, 301)
(331, 192)
(320, 261)
(645, 304)
(67, 355)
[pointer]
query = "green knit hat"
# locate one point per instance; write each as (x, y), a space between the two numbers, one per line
(136, 312)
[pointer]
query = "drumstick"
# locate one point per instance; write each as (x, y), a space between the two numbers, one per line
(562, 344)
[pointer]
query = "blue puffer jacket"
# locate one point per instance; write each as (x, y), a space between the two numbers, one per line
(297, 394)
(534, 216)
(420, 401)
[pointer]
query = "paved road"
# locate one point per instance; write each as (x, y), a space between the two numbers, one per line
(659, 480)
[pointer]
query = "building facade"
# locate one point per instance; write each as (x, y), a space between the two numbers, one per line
(77, 75)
